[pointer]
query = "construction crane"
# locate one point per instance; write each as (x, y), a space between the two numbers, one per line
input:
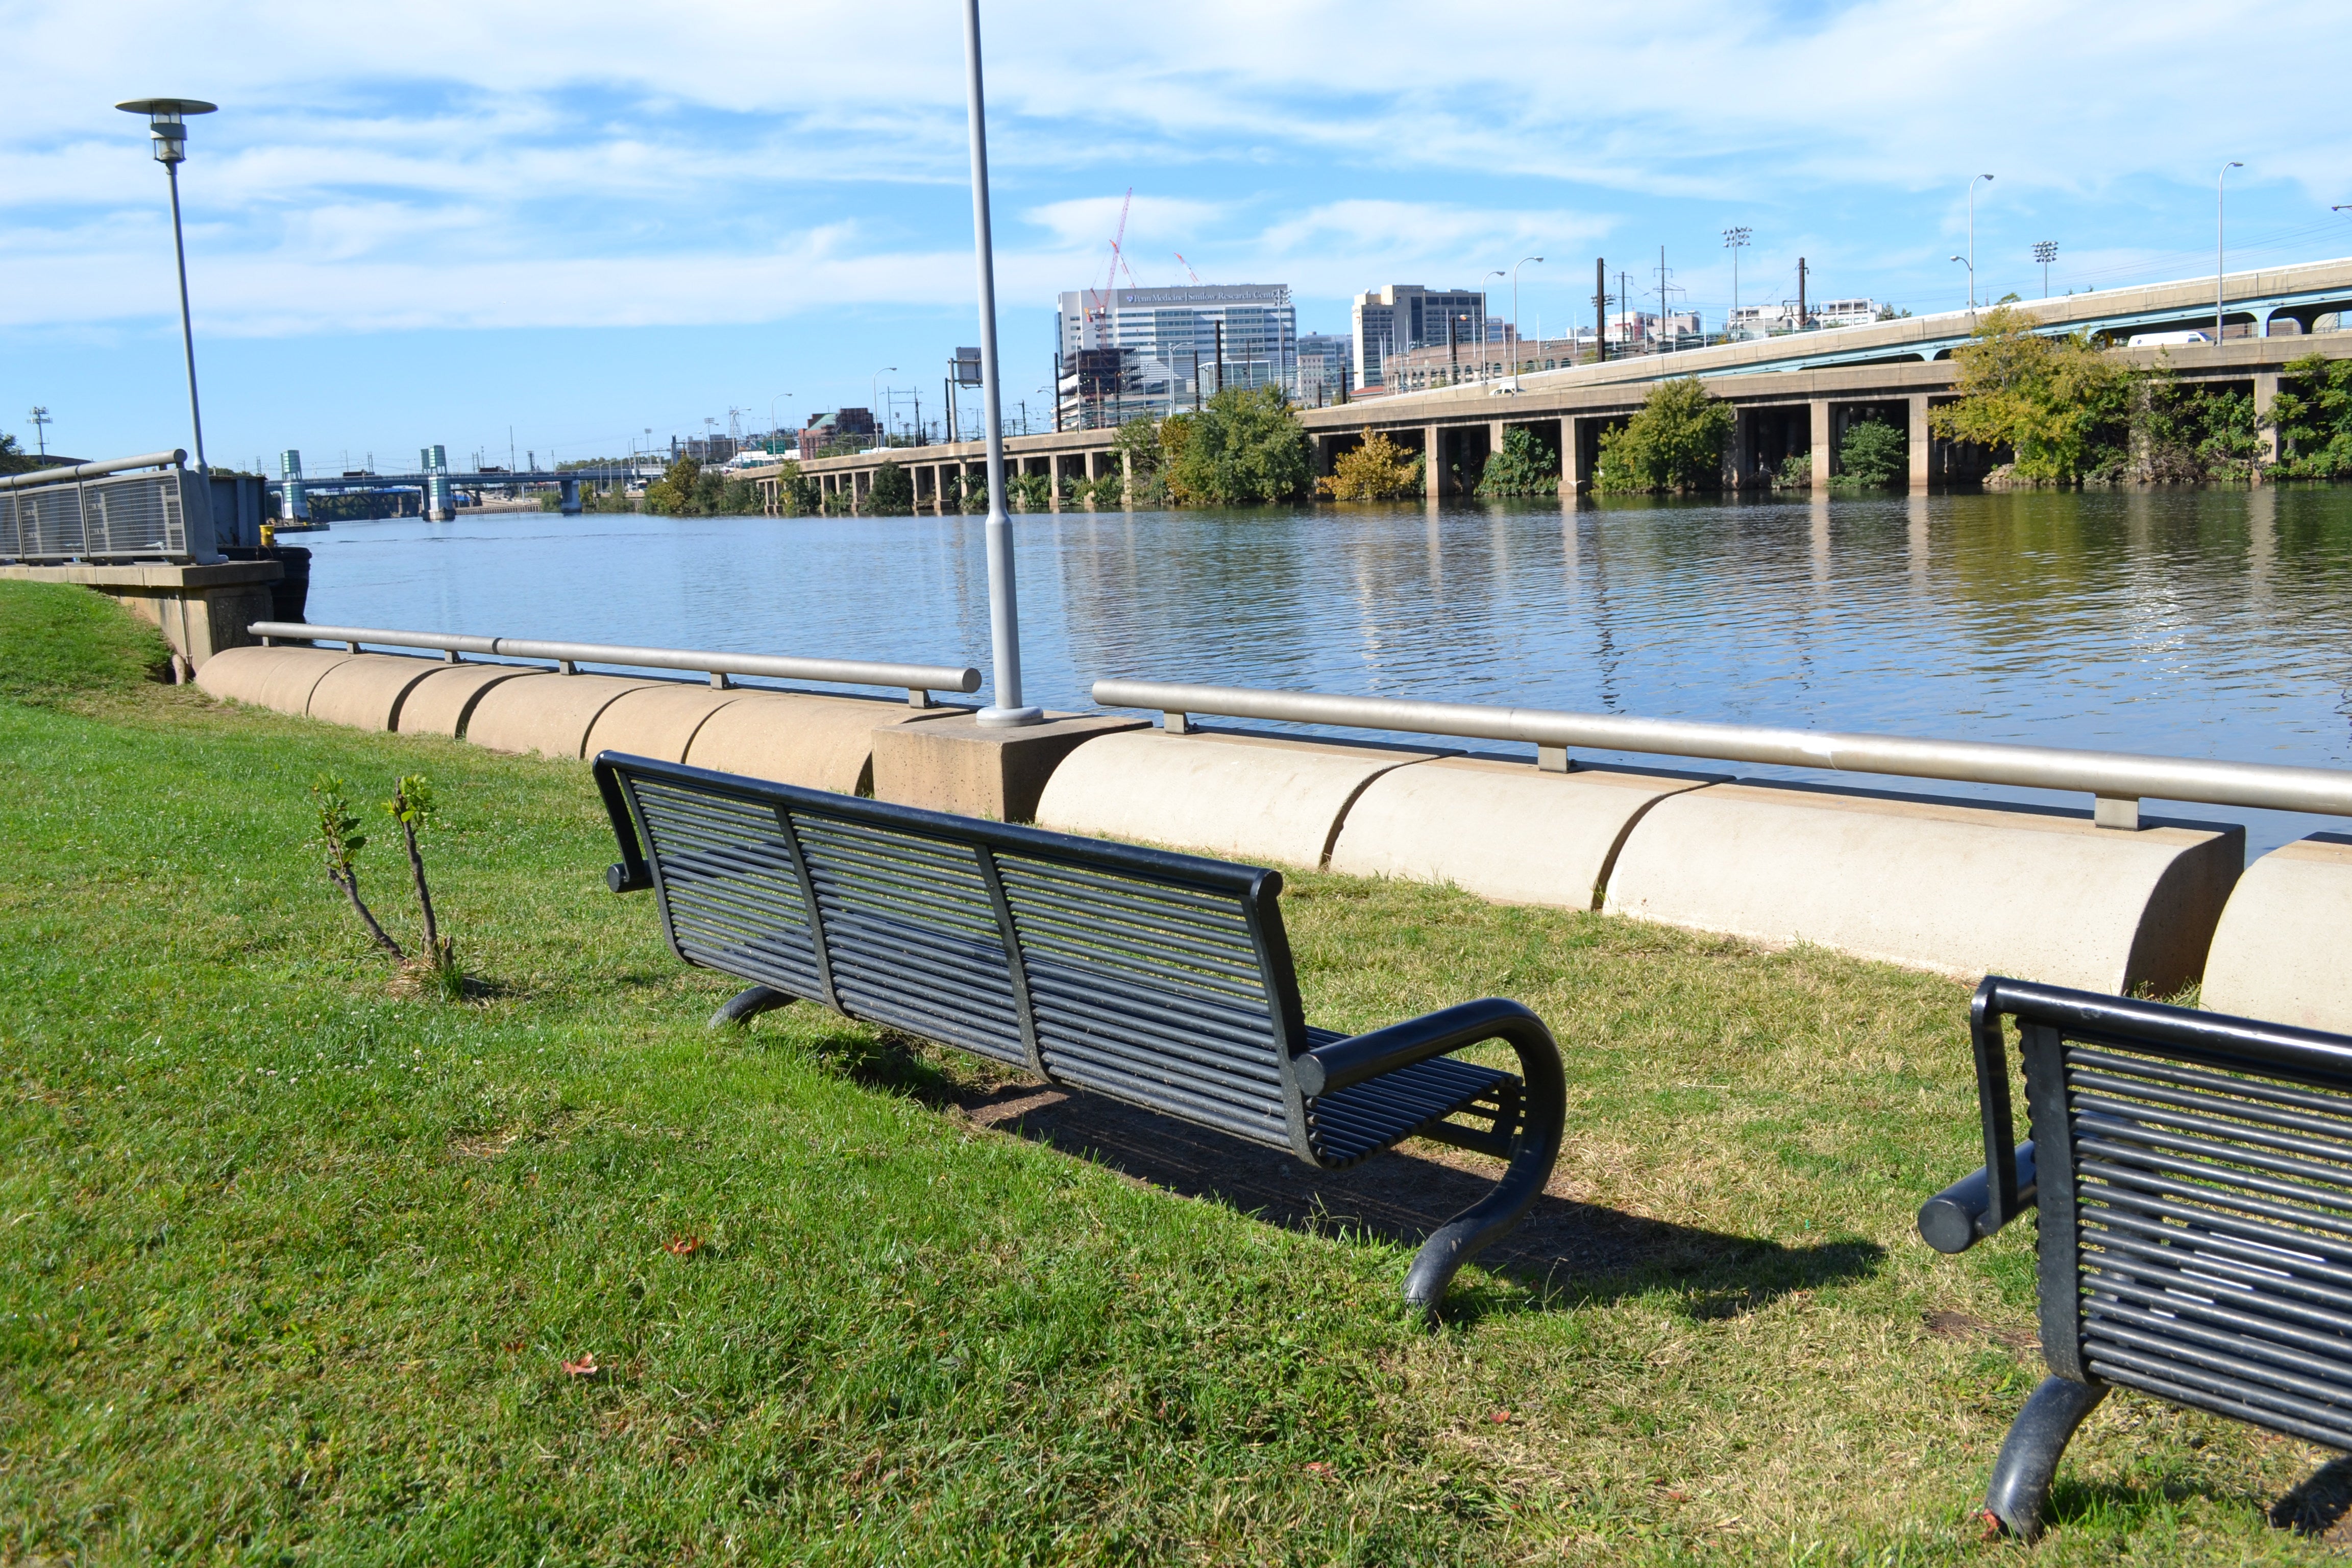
(1110, 280)
(1187, 268)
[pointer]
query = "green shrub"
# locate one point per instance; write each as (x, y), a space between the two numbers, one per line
(1525, 467)
(891, 493)
(1675, 442)
(1873, 456)
(1247, 447)
(2313, 419)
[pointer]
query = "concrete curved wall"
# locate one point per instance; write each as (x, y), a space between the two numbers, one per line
(2280, 954)
(366, 690)
(278, 678)
(1256, 798)
(655, 720)
(1961, 890)
(822, 743)
(549, 714)
(442, 703)
(1498, 828)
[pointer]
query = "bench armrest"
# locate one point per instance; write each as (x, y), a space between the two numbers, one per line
(1449, 1029)
(1954, 1219)
(632, 875)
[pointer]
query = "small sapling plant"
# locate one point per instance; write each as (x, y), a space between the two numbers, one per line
(434, 967)
(341, 841)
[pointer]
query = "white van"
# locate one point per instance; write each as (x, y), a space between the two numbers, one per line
(2156, 340)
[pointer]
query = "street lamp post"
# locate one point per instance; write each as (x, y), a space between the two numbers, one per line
(1515, 340)
(2220, 196)
(2046, 251)
(167, 123)
(771, 413)
(874, 395)
(1972, 245)
(1003, 609)
(1972, 284)
(1734, 240)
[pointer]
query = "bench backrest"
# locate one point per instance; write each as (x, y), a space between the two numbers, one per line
(1161, 979)
(2195, 1191)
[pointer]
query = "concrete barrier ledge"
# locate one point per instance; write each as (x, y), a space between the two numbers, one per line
(277, 677)
(365, 690)
(819, 742)
(1249, 796)
(2278, 954)
(1961, 888)
(1498, 827)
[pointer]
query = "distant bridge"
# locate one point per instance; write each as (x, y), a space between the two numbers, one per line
(566, 480)
(1793, 396)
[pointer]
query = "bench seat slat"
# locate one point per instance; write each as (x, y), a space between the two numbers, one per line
(2221, 1351)
(1240, 1034)
(1108, 944)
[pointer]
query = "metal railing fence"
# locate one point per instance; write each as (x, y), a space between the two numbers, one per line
(126, 509)
(919, 680)
(2118, 779)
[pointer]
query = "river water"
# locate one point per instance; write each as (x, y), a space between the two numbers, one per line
(2192, 622)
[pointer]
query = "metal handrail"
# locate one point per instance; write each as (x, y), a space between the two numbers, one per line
(171, 460)
(919, 679)
(2118, 779)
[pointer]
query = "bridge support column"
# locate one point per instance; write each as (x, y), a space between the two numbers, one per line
(1495, 429)
(2266, 439)
(1824, 452)
(1126, 477)
(1575, 471)
(568, 497)
(1432, 461)
(1923, 440)
(1742, 458)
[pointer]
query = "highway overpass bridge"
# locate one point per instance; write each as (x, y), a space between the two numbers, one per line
(1792, 394)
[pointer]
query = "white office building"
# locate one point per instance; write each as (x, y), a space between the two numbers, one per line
(1173, 337)
(1404, 317)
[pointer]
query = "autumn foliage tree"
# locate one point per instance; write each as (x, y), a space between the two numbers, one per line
(1377, 468)
(2056, 402)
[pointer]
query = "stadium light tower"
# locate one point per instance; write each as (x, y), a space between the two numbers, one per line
(2046, 251)
(1734, 240)
(167, 123)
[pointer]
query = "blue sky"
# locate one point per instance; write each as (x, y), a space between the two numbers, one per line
(578, 223)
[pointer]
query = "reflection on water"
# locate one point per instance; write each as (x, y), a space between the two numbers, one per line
(2205, 624)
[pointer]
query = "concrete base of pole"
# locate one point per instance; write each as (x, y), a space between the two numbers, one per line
(1010, 717)
(954, 764)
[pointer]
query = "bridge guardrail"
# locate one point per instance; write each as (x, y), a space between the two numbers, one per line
(126, 509)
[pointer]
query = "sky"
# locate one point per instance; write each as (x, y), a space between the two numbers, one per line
(566, 229)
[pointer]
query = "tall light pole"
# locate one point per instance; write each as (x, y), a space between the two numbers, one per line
(2046, 251)
(874, 395)
(167, 123)
(2220, 196)
(41, 421)
(1734, 240)
(1515, 340)
(771, 413)
(1972, 245)
(1003, 608)
(1972, 284)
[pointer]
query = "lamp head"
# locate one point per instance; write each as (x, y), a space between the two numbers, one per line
(167, 123)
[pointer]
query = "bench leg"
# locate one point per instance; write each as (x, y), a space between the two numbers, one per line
(1535, 1152)
(2029, 1455)
(744, 1004)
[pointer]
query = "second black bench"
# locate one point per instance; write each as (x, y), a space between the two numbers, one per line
(2193, 1174)
(1158, 979)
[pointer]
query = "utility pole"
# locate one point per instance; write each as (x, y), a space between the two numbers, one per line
(1220, 325)
(1600, 307)
(1805, 316)
(1625, 302)
(1662, 298)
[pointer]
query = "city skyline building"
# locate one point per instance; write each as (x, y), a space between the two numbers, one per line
(1401, 317)
(1175, 336)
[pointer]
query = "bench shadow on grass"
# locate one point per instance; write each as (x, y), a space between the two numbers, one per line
(1574, 1253)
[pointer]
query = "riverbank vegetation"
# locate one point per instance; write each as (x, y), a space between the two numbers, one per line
(1375, 469)
(295, 1269)
(1873, 456)
(688, 490)
(1525, 467)
(1673, 444)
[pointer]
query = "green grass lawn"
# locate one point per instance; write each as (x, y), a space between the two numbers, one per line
(290, 1268)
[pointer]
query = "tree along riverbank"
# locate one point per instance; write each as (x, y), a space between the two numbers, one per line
(298, 1266)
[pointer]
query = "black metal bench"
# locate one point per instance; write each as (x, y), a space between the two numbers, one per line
(1158, 979)
(2193, 1174)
